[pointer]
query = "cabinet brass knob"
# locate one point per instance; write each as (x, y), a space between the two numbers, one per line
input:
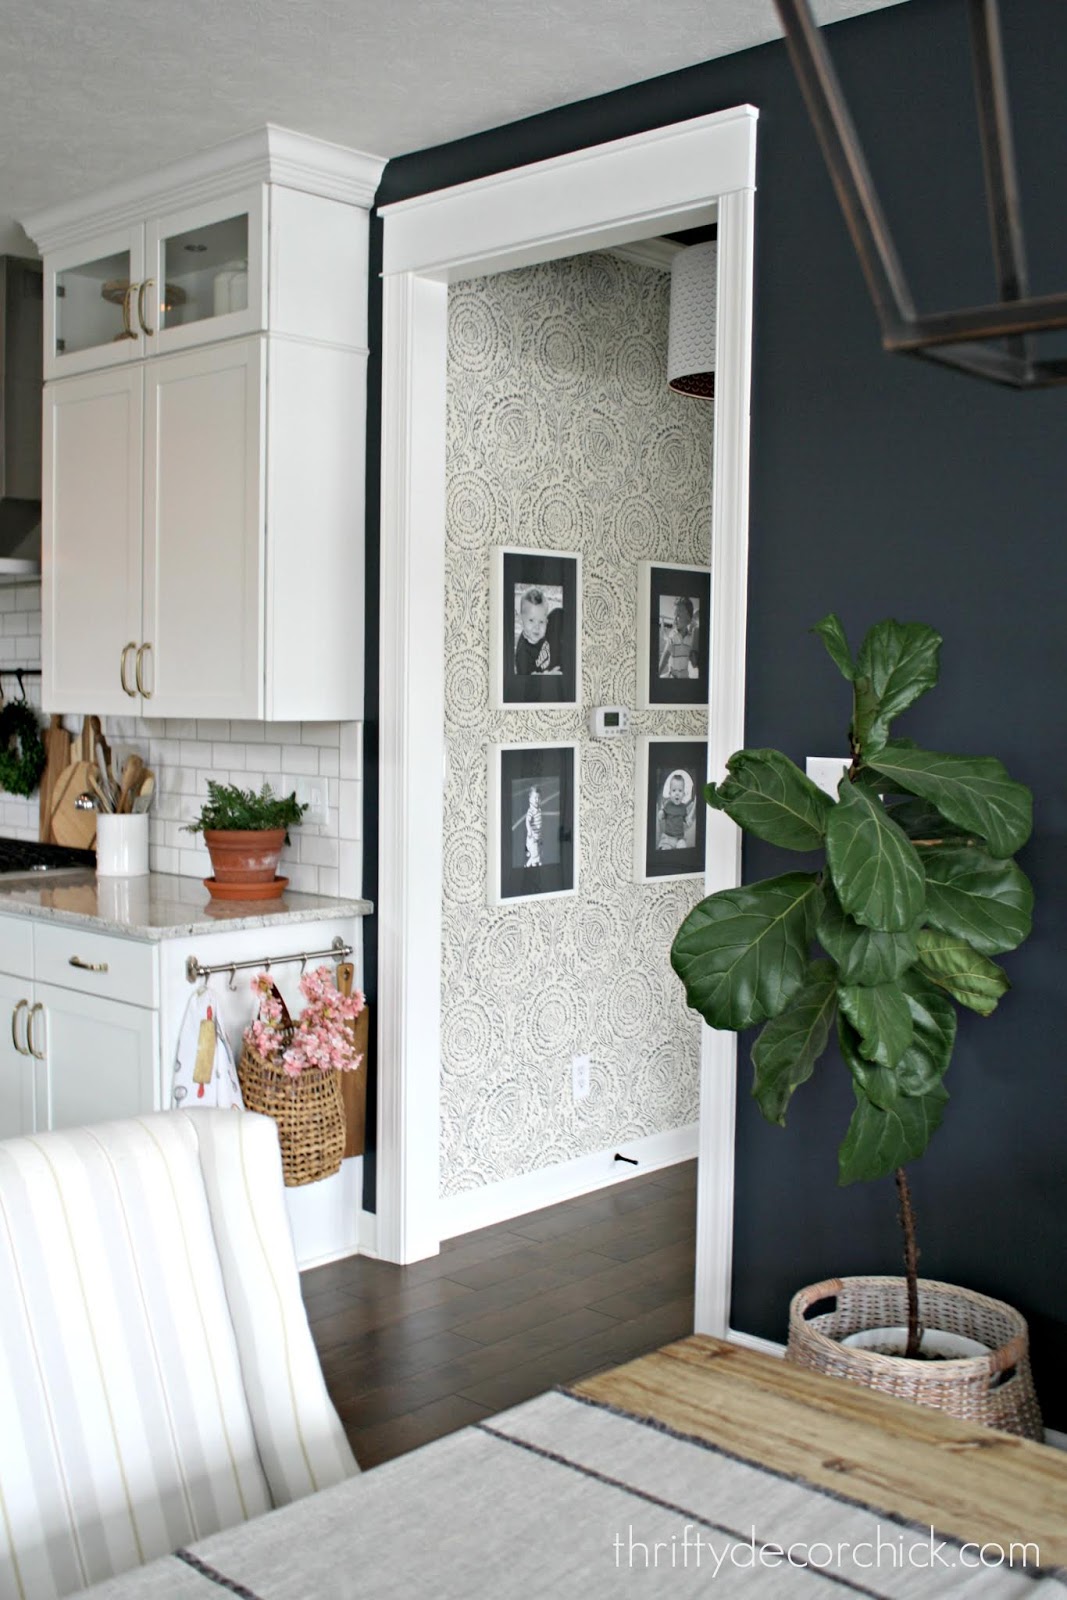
(22, 1006)
(139, 673)
(38, 1055)
(123, 661)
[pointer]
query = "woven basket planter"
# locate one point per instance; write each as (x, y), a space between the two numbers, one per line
(309, 1112)
(996, 1390)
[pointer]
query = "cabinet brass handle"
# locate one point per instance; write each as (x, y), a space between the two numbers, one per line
(87, 966)
(22, 1005)
(123, 659)
(38, 1055)
(140, 305)
(138, 674)
(128, 331)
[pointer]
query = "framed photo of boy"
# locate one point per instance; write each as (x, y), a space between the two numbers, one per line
(670, 815)
(533, 821)
(673, 607)
(535, 600)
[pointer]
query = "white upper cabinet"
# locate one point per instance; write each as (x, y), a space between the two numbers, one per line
(205, 363)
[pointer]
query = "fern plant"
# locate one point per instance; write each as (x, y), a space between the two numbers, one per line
(916, 894)
(229, 807)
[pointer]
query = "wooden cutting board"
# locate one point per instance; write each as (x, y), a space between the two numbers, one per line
(354, 1083)
(70, 826)
(56, 741)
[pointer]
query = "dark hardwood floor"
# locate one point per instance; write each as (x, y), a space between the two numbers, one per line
(411, 1353)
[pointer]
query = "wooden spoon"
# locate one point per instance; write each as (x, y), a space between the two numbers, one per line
(132, 774)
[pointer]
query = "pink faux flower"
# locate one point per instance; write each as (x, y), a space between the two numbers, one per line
(322, 1035)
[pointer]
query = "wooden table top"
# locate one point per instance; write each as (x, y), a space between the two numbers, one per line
(964, 1480)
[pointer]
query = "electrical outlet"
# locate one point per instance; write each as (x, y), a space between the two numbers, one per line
(826, 771)
(313, 793)
(580, 1076)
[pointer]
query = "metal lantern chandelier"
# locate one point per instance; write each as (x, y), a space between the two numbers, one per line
(967, 338)
(691, 336)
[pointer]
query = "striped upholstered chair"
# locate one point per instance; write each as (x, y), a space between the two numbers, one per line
(157, 1376)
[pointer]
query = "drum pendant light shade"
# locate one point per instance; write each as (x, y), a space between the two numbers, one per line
(691, 342)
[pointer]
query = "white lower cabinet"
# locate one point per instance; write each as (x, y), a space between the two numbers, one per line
(96, 1053)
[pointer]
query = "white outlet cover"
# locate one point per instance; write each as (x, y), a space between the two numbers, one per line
(580, 1077)
(312, 792)
(827, 771)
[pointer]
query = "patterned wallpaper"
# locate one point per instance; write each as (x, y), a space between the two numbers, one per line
(562, 434)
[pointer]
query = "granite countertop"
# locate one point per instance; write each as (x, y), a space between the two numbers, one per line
(160, 906)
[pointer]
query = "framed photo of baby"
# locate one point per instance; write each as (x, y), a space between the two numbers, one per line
(673, 607)
(535, 599)
(670, 814)
(533, 821)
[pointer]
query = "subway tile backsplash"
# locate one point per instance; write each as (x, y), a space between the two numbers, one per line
(185, 753)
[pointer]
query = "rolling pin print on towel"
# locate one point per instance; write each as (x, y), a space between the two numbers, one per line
(204, 1073)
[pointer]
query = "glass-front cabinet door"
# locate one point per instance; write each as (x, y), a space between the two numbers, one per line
(91, 295)
(205, 273)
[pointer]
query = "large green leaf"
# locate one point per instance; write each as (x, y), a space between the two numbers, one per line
(879, 1141)
(897, 662)
(767, 795)
(863, 955)
(742, 954)
(921, 822)
(790, 1044)
(881, 1017)
(832, 635)
(924, 1062)
(880, 1084)
(954, 966)
(985, 901)
(975, 792)
(875, 869)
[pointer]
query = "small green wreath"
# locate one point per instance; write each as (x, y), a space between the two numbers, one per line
(22, 755)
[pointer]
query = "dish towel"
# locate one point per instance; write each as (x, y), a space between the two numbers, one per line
(204, 1073)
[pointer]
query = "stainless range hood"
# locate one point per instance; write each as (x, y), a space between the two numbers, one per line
(21, 344)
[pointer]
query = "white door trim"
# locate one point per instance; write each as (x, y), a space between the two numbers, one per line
(668, 179)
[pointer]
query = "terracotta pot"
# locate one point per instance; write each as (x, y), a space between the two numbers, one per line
(240, 856)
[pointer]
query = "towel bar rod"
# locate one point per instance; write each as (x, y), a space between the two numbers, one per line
(195, 970)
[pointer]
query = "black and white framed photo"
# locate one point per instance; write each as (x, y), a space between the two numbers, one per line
(670, 814)
(533, 821)
(673, 607)
(535, 602)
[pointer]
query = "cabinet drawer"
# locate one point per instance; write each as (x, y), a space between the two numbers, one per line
(94, 963)
(16, 946)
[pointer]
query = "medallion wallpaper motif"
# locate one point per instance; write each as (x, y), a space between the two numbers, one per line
(563, 435)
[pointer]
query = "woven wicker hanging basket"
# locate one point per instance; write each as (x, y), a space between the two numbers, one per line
(996, 1389)
(308, 1109)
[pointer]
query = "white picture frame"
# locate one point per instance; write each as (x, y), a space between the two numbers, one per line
(515, 770)
(657, 857)
(515, 571)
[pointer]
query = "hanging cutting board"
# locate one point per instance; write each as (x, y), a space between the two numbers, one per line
(70, 826)
(354, 1083)
(57, 756)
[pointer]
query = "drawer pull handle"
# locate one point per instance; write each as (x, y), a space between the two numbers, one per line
(88, 966)
(123, 659)
(21, 1048)
(38, 1055)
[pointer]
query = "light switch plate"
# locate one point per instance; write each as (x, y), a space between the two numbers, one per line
(315, 794)
(827, 771)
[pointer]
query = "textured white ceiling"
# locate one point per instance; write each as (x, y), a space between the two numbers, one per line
(93, 91)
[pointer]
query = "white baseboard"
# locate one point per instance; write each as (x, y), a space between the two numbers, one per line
(752, 1341)
(514, 1197)
(368, 1233)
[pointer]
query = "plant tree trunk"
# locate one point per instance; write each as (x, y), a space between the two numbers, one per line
(911, 1263)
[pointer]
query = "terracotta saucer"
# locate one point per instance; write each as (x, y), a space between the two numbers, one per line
(246, 891)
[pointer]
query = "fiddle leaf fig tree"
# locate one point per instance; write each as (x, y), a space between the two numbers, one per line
(899, 926)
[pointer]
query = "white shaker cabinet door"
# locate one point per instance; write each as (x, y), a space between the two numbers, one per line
(17, 1112)
(203, 532)
(101, 1057)
(91, 522)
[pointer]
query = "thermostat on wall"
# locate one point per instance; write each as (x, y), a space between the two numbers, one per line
(607, 722)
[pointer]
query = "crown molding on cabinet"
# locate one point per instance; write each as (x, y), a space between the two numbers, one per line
(269, 155)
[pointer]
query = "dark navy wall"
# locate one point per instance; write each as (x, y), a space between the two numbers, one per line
(884, 486)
